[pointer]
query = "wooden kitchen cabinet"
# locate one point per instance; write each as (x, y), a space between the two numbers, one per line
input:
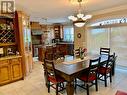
(58, 31)
(16, 68)
(5, 72)
(10, 69)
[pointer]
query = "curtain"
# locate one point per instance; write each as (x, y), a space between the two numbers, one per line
(119, 44)
(97, 38)
(113, 37)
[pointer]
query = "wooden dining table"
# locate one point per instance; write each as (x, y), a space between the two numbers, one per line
(73, 67)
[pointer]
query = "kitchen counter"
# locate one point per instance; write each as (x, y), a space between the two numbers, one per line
(10, 57)
(65, 43)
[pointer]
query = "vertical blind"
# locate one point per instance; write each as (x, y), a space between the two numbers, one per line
(97, 38)
(119, 44)
(113, 37)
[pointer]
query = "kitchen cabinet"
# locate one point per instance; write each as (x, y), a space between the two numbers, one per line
(25, 42)
(16, 68)
(58, 31)
(5, 72)
(10, 69)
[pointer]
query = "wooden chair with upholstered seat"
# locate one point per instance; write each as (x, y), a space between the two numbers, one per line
(89, 77)
(52, 77)
(105, 70)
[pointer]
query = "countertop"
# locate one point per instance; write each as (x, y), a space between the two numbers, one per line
(65, 43)
(10, 57)
(52, 44)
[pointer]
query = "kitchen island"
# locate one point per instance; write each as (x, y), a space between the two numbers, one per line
(65, 47)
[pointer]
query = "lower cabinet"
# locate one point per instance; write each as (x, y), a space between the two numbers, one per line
(16, 69)
(5, 72)
(10, 70)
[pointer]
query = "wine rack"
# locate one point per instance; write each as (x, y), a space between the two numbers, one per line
(7, 36)
(7, 33)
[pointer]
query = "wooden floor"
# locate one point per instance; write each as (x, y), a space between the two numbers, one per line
(34, 84)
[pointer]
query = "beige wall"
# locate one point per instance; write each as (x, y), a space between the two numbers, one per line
(109, 15)
(79, 42)
(105, 15)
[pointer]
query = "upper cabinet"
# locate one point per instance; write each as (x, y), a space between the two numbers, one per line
(8, 44)
(25, 41)
(58, 31)
(36, 33)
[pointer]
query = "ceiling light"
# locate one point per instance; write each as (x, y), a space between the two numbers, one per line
(79, 23)
(80, 19)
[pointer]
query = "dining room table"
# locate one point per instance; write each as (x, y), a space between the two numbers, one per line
(72, 67)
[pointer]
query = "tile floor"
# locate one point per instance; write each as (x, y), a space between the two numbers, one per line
(34, 84)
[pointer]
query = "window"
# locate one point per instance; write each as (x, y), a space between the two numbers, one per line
(109, 22)
(113, 36)
(97, 38)
(68, 33)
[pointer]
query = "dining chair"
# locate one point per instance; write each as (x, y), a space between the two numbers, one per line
(52, 77)
(77, 52)
(89, 77)
(49, 55)
(105, 70)
(104, 50)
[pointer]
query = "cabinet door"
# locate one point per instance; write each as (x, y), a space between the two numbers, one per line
(16, 68)
(5, 72)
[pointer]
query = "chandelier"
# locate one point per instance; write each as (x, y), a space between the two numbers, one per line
(80, 19)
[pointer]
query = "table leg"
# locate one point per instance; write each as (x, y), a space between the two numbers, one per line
(70, 88)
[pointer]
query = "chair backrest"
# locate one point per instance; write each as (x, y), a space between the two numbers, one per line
(105, 51)
(77, 52)
(49, 68)
(48, 55)
(94, 63)
(111, 60)
(93, 66)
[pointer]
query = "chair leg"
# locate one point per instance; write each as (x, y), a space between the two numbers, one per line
(57, 88)
(75, 86)
(110, 76)
(48, 85)
(105, 79)
(96, 84)
(87, 88)
(98, 76)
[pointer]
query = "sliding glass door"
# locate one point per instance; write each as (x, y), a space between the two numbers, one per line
(119, 44)
(113, 37)
(97, 38)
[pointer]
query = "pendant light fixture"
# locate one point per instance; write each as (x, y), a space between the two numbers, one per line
(80, 19)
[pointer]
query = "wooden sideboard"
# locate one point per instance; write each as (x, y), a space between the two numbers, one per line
(10, 69)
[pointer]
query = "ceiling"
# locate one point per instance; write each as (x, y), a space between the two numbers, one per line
(57, 11)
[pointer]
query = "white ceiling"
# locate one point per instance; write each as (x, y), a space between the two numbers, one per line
(57, 11)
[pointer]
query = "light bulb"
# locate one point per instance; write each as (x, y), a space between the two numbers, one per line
(74, 18)
(79, 24)
(70, 17)
(88, 16)
(80, 15)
